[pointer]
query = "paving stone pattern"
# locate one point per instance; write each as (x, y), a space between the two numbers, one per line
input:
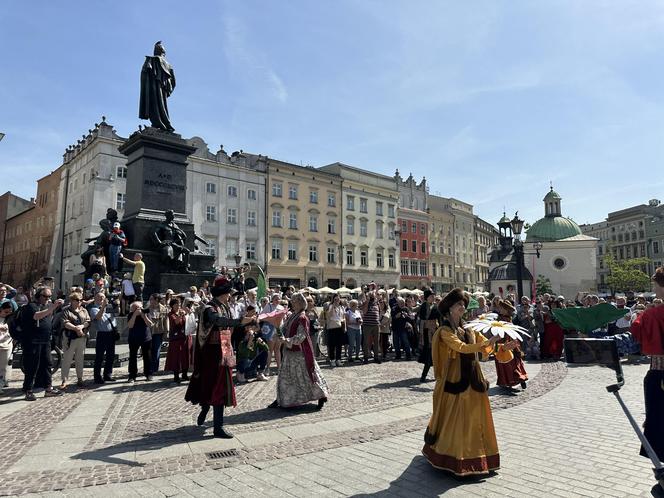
(565, 439)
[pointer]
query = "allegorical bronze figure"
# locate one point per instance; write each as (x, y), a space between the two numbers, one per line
(157, 84)
(170, 240)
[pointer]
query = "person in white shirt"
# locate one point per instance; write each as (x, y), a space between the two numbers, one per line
(354, 330)
(6, 344)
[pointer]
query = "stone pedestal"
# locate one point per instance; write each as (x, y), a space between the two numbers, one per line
(157, 181)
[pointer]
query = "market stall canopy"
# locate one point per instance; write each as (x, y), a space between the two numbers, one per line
(327, 290)
(344, 290)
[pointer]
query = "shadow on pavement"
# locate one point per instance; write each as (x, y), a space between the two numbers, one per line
(413, 384)
(150, 442)
(265, 414)
(422, 480)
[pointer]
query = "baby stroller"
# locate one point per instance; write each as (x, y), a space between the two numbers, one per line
(605, 352)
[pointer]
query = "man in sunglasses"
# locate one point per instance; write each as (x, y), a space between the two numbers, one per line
(37, 323)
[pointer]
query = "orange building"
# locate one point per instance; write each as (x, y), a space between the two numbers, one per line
(29, 234)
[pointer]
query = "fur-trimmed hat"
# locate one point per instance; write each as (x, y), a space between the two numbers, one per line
(506, 307)
(450, 299)
(221, 286)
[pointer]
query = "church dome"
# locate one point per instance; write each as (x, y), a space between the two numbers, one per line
(552, 228)
(552, 195)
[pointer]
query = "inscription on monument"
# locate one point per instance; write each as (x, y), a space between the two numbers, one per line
(164, 183)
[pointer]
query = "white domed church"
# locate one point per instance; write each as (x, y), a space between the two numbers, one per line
(566, 256)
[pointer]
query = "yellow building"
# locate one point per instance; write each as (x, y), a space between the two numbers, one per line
(441, 239)
(303, 227)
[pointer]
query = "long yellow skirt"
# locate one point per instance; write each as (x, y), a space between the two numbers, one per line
(466, 441)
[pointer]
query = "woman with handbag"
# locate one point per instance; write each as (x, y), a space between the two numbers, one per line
(212, 381)
(76, 322)
(460, 436)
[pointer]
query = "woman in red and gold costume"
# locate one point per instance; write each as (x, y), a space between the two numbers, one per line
(212, 381)
(648, 330)
(509, 357)
(460, 437)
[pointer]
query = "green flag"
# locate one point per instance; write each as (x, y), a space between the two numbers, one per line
(261, 291)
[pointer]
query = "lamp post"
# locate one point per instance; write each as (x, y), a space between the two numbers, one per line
(517, 227)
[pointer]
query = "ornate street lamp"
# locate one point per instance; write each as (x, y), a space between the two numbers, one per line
(517, 227)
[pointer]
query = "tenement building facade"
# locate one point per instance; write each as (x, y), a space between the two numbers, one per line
(368, 241)
(441, 240)
(304, 226)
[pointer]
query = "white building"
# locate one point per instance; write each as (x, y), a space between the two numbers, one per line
(225, 201)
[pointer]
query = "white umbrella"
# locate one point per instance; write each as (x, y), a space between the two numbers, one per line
(310, 290)
(344, 290)
(327, 290)
(356, 290)
(418, 292)
(404, 292)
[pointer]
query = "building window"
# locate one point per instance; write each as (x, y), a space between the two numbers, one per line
(276, 249)
(413, 268)
(231, 247)
(331, 199)
(251, 250)
(379, 229)
(276, 189)
(251, 195)
(331, 255)
(231, 216)
(350, 203)
(404, 267)
(364, 260)
(292, 251)
(211, 188)
(313, 223)
(414, 227)
(292, 220)
(121, 172)
(379, 209)
(449, 271)
(404, 245)
(424, 247)
(350, 226)
(251, 218)
(391, 260)
(423, 269)
(413, 245)
(331, 225)
(390, 231)
(313, 196)
(363, 205)
(379, 259)
(210, 213)
(390, 210)
(655, 247)
(232, 191)
(120, 201)
(276, 218)
(559, 263)
(292, 192)
(363, 228)
(349, 257)
(404, 227)
(423, 229)
(211, 248)
(313, 253)
(433, 248)
(433, 270)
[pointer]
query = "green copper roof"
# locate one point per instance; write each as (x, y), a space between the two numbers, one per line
(552, 228)
(504, 219)
(552, 196)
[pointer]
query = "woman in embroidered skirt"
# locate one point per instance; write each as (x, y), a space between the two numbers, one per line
(300, 379)
(509, 357)
(460, 437)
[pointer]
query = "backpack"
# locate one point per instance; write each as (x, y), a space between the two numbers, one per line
(16, 325)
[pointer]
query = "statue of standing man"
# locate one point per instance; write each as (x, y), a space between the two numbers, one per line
(157, 84)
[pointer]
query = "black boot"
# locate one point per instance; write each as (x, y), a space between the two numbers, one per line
(321, 402)
(185, 377)
(219, 431)
(176, 378)
(201, 416)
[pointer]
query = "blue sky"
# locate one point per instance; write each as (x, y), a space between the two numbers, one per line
(489, 100)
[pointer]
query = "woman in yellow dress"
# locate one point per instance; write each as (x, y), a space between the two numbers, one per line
(460, 437)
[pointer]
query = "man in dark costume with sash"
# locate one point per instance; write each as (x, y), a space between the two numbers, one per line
(212, 381)
(429, 317)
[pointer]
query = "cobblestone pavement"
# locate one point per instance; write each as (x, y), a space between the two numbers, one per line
(555, 439)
